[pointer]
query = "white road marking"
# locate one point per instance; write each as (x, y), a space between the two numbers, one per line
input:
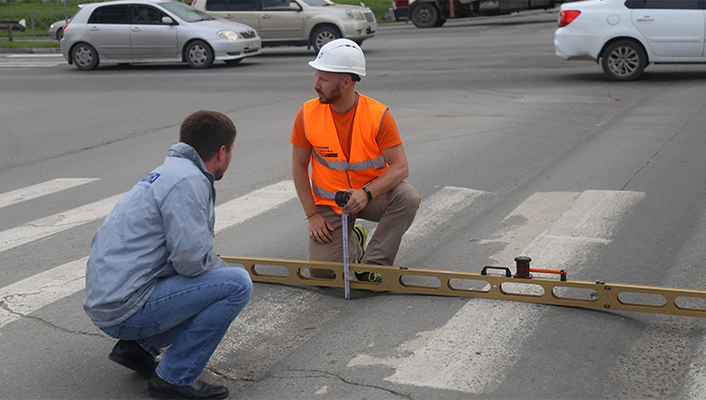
(37, 291)
(29, 65)
(695, 381)
(474, 349)
(270, 315)
(56, 223)
(538, 212)
(40, 290)
(41, 189)
(253, 204)
(34, 55)
(439, 208)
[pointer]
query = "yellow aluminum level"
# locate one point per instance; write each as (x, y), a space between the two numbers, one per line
(496, 283)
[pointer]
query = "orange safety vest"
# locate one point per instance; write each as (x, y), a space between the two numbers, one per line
(330, 170)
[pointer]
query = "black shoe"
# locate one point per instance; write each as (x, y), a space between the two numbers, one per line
(131, 355)
(158, 388)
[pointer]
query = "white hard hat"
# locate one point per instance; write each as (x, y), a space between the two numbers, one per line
(340, 55)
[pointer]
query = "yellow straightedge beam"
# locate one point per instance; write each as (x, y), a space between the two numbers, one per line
(490, 285)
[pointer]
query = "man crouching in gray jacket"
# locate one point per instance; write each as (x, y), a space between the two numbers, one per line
(153, 279)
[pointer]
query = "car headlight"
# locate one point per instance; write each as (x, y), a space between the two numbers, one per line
(354, 14)
(228, 34)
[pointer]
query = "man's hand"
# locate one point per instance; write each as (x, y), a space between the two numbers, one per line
(357, 202)
(320, 229)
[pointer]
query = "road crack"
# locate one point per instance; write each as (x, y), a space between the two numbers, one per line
(326, 374)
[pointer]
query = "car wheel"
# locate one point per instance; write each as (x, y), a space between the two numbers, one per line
(624, 60)
(324, 35)
(85, 56)
(199, 54)
(426, 15)
(58, 34)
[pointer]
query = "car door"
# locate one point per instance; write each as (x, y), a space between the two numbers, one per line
(243, 11)
(281, 20)
(149, 37)
(673, 28)
(109, 30)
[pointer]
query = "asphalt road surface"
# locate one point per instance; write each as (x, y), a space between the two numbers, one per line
(513, 151)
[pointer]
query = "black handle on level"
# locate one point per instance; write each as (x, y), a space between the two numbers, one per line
(506, 269)
(342, 198)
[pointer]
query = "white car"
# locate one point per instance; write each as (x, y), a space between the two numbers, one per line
(627, 35)
(154, 31)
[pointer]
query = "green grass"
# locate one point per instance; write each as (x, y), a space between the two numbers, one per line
(5, 44)
(39, 5)
(41, 14)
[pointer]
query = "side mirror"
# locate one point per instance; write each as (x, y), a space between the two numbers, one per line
(167, 21)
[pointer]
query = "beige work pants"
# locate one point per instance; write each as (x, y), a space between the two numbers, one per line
(394, 212)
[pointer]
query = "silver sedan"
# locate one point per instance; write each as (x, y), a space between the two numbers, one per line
(153, 31)
(56, 28)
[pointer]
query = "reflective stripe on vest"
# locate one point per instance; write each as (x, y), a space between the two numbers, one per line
(330, 170)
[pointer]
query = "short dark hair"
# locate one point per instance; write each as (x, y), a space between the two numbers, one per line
(206, 131)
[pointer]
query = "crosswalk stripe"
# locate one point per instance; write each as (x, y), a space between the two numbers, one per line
(437, 209)
(56, 223)
(251, 325)
(253, 204)
(40, 290)
(41, 189)
(440, 208)
(470, 353)
(55, 55)
(37, 291)
(29, 65)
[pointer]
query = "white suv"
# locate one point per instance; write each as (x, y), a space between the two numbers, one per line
(627, 35)
(311, 23)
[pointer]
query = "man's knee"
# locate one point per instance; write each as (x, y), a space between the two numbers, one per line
(238, 279)
(408, 197)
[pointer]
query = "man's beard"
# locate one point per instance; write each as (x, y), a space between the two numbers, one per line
(331, 98)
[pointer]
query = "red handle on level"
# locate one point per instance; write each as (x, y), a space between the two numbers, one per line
(548, 271)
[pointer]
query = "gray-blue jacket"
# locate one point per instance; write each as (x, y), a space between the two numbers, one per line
(160, 228)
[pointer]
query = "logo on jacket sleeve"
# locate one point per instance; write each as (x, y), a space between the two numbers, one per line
(149, 179)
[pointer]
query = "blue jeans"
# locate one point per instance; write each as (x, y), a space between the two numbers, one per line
(191, 314)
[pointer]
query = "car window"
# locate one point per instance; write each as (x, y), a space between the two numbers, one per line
(244, 5)
(185, 13)
(119, 14)
(665, 4)
(316, 3)
(142, 14)
(276, 5)
(216, 5)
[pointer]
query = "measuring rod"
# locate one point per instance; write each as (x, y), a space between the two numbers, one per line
(496, 283)
(341, 200)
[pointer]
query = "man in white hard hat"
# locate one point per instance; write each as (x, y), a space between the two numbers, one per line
(353, 144)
